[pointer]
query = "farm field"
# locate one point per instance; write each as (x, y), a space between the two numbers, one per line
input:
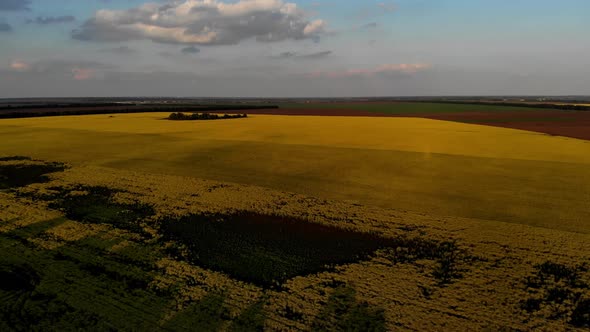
(553, 122)
(404, 108)
(291, 223)
(435, 167)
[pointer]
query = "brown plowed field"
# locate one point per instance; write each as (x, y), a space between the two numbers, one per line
(574, 124)
(318, 112)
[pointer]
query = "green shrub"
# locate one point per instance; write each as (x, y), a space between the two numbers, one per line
(203, 116)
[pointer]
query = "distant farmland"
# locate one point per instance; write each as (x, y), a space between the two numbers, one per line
(569, 123)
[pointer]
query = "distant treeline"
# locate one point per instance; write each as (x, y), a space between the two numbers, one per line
(72, 111)
(567, 107)
(204, 116)
(45, 106)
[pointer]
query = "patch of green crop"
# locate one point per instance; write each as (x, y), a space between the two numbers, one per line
(208, 314)
(447, 255)
(98, 207)
(561, 291)
(250, 320)
(265, 249)
(77, 286)
(581, 314)
(15, 175)
(14, 158)
(344, 313)
(268, 249)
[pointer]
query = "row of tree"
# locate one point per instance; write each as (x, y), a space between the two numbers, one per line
(204, 116)
(30, 113)
(567, 107)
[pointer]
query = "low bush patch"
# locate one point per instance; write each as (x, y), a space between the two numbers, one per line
(560, 290)
(204, 116)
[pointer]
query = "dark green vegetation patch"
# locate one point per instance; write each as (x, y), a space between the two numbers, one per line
(204, 116)
(14, 158)
(447, 255)
(17, 278)
(267, 250)
(97, 206)
(560, 290)
(344, 313)
(20, 175)
(79, 286)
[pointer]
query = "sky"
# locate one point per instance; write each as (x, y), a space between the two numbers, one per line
(293, 48)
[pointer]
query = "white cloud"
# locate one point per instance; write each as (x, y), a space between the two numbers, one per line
(387, 7)
(14, 4)
(20, 65)
(203, 22)
(77, 70)
(401, 68)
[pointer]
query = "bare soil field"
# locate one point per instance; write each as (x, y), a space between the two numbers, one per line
(318, 112)
(575, 124)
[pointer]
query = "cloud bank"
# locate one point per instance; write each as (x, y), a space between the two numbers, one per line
(5, 27)
(202, 22)
(52, 20)
(125, 50)
(14, 4)
(295, 55)
(402, 68)
(190, 50)
(76, 70)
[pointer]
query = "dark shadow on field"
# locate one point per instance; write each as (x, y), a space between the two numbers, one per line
(344, 313)
(206, 315)
(265, 249)
(96, 206)
(250, 320)
(559, 291)
(20, 175)
(35, 296)
(268, 250)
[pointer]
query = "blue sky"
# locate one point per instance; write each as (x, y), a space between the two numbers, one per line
(274, 48)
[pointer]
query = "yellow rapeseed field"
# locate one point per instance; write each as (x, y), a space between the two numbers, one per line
(489, 292)
(426, 166)
(457, 203)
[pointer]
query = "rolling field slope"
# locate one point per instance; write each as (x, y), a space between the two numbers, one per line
(426, 166)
